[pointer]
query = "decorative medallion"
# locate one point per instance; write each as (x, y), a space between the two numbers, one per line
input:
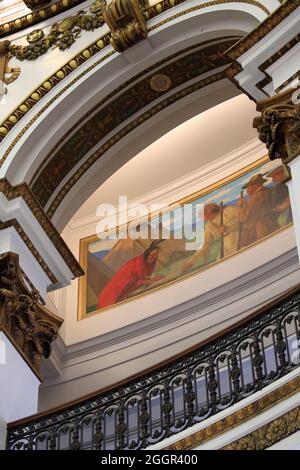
(160, 82)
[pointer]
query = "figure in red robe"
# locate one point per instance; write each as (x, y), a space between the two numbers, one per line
(132, 275)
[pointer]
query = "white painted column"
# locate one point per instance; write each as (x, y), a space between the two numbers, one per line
(19, 387)
(294, 191)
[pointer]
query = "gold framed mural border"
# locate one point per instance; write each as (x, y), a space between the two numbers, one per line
(84, 242)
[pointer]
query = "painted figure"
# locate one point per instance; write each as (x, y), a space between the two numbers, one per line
(280, 196)
(257, 217)
(132, 275)
(221, 225)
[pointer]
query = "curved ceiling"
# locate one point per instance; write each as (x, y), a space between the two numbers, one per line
(196, 143)
(87, 131)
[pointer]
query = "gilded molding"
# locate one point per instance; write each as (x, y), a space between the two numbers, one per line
(115, 93)
(239, 417)
(48, 85)
(23, 191)
(41, 14)
(278, 126)
(275, 57)
(27, 323)
(49, 11)
(163, 6)
(63, 72)
(34, 3)
(268, 435)
(279, 15)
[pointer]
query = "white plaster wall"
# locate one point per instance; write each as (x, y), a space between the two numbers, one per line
(19, 386)
(282, 69)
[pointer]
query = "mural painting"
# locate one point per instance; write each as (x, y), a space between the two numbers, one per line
(238, 212)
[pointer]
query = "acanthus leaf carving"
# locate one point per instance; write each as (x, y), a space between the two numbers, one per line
(278, 127)
(28, 324)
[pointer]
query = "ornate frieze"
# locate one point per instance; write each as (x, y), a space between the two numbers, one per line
(46, 11)
(26, 322)
(62, 35)
(278, 126)
(268, 435)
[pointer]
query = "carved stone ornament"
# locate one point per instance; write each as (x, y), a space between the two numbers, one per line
(7, 74)
(61, 35)
(126, 21)
(24, 320)
(279, 126)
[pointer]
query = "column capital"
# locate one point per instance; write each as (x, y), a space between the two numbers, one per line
(278, 126)
(29, 325)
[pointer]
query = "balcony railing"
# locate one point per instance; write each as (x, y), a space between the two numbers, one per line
(183, 392)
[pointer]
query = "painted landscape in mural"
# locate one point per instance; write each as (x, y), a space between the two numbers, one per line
(250, 207)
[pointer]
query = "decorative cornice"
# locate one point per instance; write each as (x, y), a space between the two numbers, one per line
(56, 8)
(28, 324)
(237, 418)
(63, 72)
(34, 17)
(14, 223)
(269, 434)
(274, 58)
(279, 15)
(23, 191)
(164, 5)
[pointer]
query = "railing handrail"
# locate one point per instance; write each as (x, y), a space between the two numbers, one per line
(158, 367)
